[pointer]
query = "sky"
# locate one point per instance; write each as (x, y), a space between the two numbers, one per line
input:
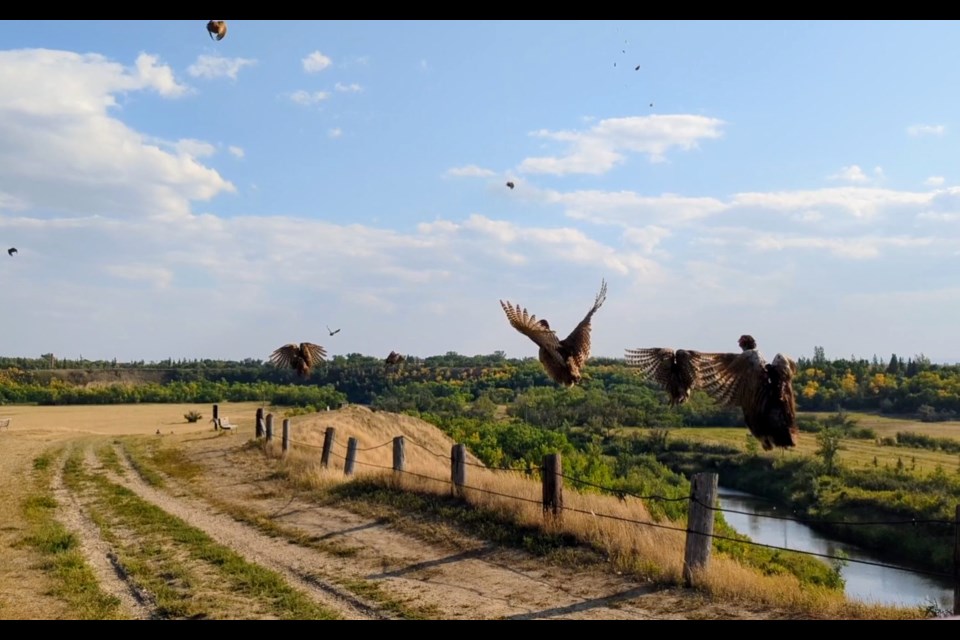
(174, 196)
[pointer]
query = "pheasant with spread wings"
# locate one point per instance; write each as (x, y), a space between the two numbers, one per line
(762, 390)
(563, 360)
(300, 357)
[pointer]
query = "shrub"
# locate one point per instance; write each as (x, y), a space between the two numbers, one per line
(192, 416)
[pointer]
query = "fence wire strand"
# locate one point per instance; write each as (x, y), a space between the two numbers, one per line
(618, 492)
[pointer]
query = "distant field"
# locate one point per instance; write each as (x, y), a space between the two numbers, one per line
(855, 453)
(123, 419)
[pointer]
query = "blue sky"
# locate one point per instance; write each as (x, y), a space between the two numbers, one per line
(173, 196)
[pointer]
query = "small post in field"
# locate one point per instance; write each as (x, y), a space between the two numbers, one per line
(398, 457)
(703, 498)
(552, 485)
(956, 563)
(216, 413)
(458, 468)
(269, 422)
(351, 456)
(328, 439)
(286, 435)
(260, 427)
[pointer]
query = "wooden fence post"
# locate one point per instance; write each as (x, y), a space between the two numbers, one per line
(351, 456)
(216, 412)
(286, 435)
(269, 431)
(552, 485)
(398, 453)
(703, 497)
(956, 563)
(269, 422)
(328, 439)
(458, 468)
(259, 421)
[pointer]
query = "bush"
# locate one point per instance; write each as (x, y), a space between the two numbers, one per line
(192, 416)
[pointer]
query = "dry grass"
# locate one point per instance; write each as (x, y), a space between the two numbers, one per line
(623, 530)
(125, 419)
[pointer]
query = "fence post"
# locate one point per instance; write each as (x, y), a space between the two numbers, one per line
(286, 435)
(552, 485)
(269, 422)
(956, 563)
(458, 468)
(703, 497)
(351, 456)
(398, 453)
(328, 439)
(270, 431)
(216, 412)
(259, 421)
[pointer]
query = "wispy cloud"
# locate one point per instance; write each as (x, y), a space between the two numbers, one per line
(307, 98)
(236, 151)
(194, 148)
(853, 173)
(316, 62)
(216, 66)
(926, 130)
(353, 87)
(604, 145)
(157, 276)
(934, 181)
(470, 171)
(336, 132)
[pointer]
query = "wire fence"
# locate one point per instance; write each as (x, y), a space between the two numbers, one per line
(623, 493)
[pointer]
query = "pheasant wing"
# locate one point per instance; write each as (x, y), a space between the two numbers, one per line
(312, 353)
(577, 344)
(733, 378)
(527, 324)
(285, 356)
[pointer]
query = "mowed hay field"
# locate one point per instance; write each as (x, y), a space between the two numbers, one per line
(125, 419)
(855, 452)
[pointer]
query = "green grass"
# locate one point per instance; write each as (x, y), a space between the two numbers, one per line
(173, 561)
(75, 582)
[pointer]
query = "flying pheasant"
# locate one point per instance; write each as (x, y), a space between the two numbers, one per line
(298, 357)
(394, 358)
(763, 391)
(562, 359)
(217, 28)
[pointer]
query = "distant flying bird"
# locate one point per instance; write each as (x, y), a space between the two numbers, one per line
(299, 357)
(394, 358)
(636, 68)
(217, 28)
(562, 359)
(11, 251)
(332, 332)
(511, 185)
(764, 392)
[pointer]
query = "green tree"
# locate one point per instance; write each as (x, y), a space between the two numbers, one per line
(830, 441)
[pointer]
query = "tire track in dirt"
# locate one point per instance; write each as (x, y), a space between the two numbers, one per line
(301, 567)
(99, 554)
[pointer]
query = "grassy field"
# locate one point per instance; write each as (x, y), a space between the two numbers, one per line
(855, 452)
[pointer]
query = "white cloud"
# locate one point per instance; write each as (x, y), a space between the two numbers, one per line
(646, 237)
(348, 88)
(236, 151)
(862, 247)
(194, 148)
(315, 62)
(336, 132)
(926, 130)
(602, 147)
(853, 173)
(629, 208)
(62, 150)
(470, 171)
(307, 98)
(217, 66)
(158, 277)
(934, 181)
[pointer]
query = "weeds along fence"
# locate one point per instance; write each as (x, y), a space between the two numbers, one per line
(702, 499)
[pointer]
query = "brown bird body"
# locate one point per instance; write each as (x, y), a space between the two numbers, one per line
(562, 360)
(394, 358)
(763, 391)
(217, 28)
(299, 357)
